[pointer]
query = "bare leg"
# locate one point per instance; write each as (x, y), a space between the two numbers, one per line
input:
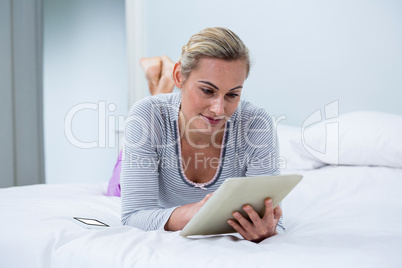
(158, 72)
(153, 70)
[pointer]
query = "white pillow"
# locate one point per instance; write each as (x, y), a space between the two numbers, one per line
(362, 138)
(292, 159)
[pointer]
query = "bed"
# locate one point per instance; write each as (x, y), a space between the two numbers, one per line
(345, 214)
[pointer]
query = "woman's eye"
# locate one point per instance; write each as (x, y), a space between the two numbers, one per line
(232, 95)
(207, 91)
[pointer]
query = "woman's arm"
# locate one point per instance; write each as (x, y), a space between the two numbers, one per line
(182, 215)
(139, 174)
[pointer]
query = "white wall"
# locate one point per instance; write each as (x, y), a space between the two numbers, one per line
(84, 62)
(306, 53)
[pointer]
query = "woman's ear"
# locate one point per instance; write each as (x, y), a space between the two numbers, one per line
(177, 75)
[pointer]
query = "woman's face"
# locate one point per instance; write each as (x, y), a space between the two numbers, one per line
(210, 94)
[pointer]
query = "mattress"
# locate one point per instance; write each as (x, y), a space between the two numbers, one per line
(348, 216)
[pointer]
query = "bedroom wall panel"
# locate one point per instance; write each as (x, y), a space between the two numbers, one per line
(21, 70)
(136, 46)
(6, 97)
(27, 46)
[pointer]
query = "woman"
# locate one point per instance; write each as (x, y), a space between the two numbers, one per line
(180, 147)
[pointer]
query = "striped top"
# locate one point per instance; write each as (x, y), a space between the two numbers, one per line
(153, 182)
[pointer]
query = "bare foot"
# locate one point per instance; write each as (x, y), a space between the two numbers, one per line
(166, 83)
(159, 74)
(167, 66)
(153, 70)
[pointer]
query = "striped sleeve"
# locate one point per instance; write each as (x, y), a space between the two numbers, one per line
(139, 175)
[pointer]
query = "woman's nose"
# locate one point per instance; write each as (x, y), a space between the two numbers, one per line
(217, 106)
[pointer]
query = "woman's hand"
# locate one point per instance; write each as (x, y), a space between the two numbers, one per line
(182, 215)
(257, 229)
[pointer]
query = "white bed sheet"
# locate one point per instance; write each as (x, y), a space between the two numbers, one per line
(336, 217)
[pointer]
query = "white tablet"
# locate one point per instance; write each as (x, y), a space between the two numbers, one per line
(232, 195)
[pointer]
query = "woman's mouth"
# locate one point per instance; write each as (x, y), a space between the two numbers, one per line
(211, 121)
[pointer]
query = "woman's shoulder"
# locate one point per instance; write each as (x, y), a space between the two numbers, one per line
(159, 104)
(151, 118)
(247, 112)
(252, 126)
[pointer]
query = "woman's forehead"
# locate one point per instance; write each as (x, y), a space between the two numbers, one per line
(212, 68)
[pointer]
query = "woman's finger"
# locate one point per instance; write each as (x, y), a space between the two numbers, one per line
(246, 224)
(269, 214)
(206, 198)
(277, 213)
(239, 229)
(254, 217)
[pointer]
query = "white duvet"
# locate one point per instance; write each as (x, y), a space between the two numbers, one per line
(346, 216)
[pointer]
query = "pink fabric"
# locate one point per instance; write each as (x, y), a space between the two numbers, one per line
(114, 183)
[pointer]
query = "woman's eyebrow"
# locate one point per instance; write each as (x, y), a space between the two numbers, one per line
(235, 88)
(212, 85)
(209, 83)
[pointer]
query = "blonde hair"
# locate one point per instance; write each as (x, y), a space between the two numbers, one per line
(216, 42)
